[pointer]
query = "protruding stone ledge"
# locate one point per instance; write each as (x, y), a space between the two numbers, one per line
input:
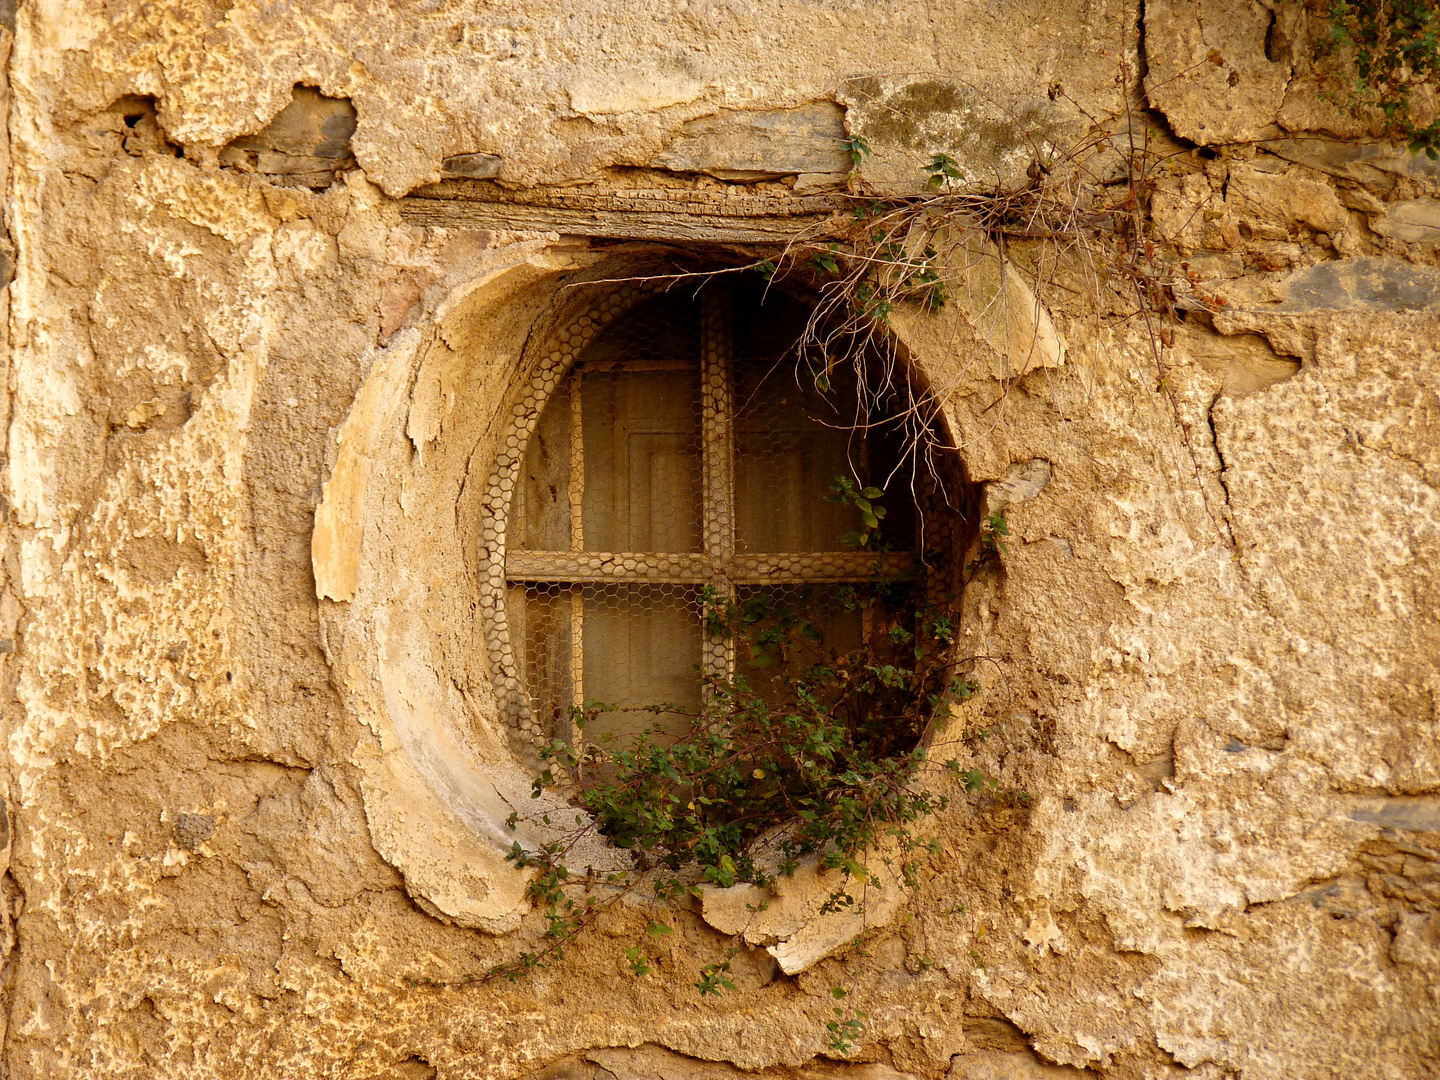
(748, 146)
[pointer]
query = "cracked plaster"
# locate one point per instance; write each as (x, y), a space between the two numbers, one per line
(1215, 633)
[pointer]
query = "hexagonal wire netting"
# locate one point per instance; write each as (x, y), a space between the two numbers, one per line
(682, 463)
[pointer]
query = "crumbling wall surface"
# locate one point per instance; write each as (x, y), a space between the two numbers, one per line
(1212, 650)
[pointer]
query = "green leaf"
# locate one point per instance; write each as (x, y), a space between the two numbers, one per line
(639, 966)
(858, 148)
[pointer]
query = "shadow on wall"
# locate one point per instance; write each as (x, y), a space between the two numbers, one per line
(306, 145)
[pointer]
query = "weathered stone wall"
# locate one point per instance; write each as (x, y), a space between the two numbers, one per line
(1216, 639)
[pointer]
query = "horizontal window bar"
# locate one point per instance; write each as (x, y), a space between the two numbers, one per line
(697, 568)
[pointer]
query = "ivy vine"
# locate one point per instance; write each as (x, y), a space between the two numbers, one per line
(815, 754)
(1394, 46)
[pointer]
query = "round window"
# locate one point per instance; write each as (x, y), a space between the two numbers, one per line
(676, 503)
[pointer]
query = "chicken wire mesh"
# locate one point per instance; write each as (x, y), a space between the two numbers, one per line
(634, 647)
(683, 468)
(780, 631)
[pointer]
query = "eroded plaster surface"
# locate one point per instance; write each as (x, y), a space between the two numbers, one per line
(253, 759)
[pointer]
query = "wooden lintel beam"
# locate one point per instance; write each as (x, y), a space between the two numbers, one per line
(628, 215)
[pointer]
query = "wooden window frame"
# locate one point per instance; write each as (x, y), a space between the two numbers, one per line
(718, 564)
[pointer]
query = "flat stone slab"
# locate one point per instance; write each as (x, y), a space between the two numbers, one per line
(1409, 813)
(1415, 221)
(1373, 163)
(907, 119)
(760, 145)
(1375, 283)
(477, 166)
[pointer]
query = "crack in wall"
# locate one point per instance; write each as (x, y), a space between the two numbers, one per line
(1066, 614)
(1220, 473)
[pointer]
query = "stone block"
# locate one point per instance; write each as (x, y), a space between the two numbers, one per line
(1375, 164)
(1208, 71)
(470, 167)
(312, 125)
(1246, 362)
(1375, 283)
(1415, 221)
(1410, 813)
(192, 830)
(1023, 481)
(906, 120)
(760, 145)
(308, 141)
(790, 919)
(1265, 197)
(651, 1062)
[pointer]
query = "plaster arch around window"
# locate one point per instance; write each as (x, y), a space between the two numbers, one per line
(401, 564)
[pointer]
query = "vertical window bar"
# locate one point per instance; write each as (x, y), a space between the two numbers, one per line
(867, 613)
(577, 543)
(718, 433)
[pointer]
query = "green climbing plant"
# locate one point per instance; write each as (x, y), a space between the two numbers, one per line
(1394, 46)
(810, 752)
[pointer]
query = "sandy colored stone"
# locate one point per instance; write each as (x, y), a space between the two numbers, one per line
(1207, 69)
(1258, 197)
(1375, 164)
(756, 146)
(257, 779)
(906, 120)
(1414, 220)
(789, 918)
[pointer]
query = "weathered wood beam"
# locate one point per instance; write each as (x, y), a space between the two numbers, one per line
(780, 568)
(640, 214)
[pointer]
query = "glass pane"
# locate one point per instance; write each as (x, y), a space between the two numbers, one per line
(540, 514)
(642, 648)
(642, 460)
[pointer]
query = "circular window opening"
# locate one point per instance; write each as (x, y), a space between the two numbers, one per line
(690, 501)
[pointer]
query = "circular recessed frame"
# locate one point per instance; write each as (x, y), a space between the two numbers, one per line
(409, 560)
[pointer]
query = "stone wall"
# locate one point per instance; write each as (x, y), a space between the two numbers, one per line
(278, 261)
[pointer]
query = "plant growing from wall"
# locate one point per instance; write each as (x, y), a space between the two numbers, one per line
(1394, 47)
(1076, 216)
(1073, 217)
(827, 759)
(825, 756)
(816, 755)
